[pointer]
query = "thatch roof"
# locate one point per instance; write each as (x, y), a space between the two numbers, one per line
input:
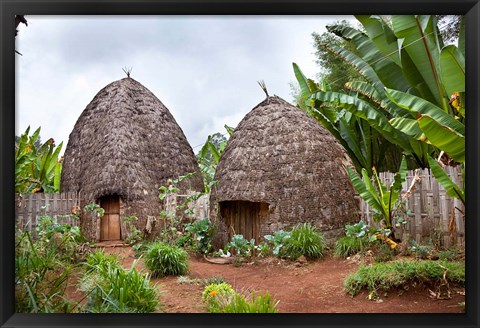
(281, 156)
(126, 142)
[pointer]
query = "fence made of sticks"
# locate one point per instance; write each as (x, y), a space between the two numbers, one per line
(431, 215)
(31, 207)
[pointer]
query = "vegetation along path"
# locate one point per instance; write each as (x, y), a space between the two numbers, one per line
(311, 287)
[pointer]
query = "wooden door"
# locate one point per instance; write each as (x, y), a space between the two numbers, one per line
(110, 222)
(243, 218)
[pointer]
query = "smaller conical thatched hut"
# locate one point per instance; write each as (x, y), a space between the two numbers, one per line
(124, 146)
(281, 168)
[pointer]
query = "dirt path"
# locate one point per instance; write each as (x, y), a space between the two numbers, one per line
(314, 287)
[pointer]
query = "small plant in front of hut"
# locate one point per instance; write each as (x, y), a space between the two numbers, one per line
(305, 240)
(277, 241)
(163, 260)
(41, 276)
(98, 259)
(134, 235)
(95, 209)
(420, 251)
(112, 289)
(202, 233)
(240, 246)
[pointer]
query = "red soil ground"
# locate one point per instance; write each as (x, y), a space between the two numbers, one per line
(313, 287)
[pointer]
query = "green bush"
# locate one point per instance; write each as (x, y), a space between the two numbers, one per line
(385, 276)
(98, 258)
(382, 252)
(347, 246)
(222, 298)
(217, 294)
(240, 246)
(277, 241)
(41, 276)
(163, 260)
(448, 254)
(202, 231)
(112, 289)
(305, 240)
(262, 303)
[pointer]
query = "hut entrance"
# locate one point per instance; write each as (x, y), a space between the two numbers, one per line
(110, 222)
(244, 218)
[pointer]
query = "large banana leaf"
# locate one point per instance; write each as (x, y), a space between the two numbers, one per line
(387, 70)
(442, 177)
(378, 98)
(418, 106)
(368, 194)
(360, 65)
(363, 110)
(381, 34)
(443, 137)
(421, 43)
(409, 126)
(452, 68)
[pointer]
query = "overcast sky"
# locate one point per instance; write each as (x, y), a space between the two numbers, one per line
(203, 68)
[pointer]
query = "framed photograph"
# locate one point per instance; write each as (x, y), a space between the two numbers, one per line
(167, 163)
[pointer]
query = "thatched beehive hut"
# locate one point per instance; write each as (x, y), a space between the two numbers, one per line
(124, 146)
(281, 168)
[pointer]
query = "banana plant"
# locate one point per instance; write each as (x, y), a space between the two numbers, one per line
(383, 200)
(37, 170)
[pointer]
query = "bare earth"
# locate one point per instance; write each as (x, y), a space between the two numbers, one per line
(314, 287)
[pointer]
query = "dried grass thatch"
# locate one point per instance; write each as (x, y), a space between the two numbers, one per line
(127, 143)
(280, 156)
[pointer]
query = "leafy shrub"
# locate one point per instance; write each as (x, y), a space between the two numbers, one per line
(241, 246)
(134, 236)
(163, 260)
(112, 289)
(216, 294)
(420, 251)
(277, 241)
(215, 280)
(394, 274)
(346, 246)
(222, 298)
(41, 276)
(202, 231)
(448, 254)
(382, 252)
(262, 303)
(305, 240)
(98, 259)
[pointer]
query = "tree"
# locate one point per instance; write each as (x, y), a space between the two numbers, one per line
(37, 168)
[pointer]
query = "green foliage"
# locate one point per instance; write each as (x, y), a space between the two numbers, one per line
(241, 246)
(163, 260)
(262, 303)
(347, 246)
(382, 252)
(215, 293)
(278, 240)
(420, 251)
(134, 235)
(98, 259)
(397, 274)
(41, 276)
(382, 200)
(209, 155)
(448, 254)
(37, 168)
(202, 232)
(306, 240)
(95, 209)
(412, 94)
(222, 298)
(112, 289)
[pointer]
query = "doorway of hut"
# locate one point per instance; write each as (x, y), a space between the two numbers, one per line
(110, 222)
(244, 218)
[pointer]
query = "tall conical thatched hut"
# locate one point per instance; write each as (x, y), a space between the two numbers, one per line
(124, 146)
(281, 168)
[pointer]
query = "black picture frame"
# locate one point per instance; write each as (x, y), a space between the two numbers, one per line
(9, 8)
